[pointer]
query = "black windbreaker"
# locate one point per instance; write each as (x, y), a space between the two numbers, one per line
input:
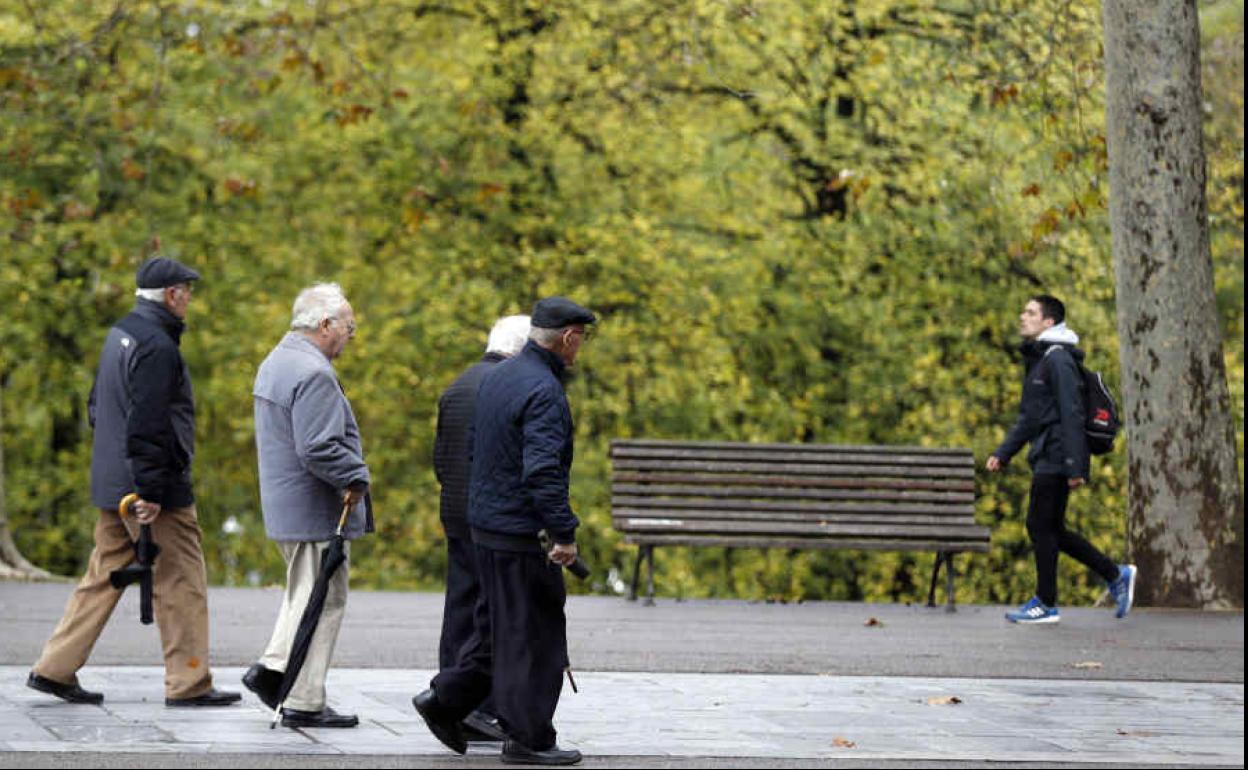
(1051, 412)
(143, 412)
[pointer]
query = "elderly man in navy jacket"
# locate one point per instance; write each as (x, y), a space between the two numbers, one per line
(522, 458)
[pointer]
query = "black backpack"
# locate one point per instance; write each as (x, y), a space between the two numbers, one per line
(1101, 421)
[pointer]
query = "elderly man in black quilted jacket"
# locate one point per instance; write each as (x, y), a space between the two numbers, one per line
(452, 462)
(522, 459)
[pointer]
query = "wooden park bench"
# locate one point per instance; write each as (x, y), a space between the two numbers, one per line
(702, 493)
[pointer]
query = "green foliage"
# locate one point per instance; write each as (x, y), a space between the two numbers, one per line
(799, 221)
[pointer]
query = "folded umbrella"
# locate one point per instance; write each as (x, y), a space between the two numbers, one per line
(331, 560)
(145, 551)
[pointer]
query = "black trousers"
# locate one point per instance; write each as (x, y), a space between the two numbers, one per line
(1046, 525)
(518, 648)
(463, 591)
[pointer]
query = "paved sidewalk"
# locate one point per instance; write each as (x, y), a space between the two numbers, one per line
(684, 684)
(667, 716)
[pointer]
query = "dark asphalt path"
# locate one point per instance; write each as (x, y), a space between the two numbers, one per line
(400, 630)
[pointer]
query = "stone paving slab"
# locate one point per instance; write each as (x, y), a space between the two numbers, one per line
(619, 714)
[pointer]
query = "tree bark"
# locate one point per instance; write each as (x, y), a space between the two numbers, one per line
(12, 564)
(1185, 523)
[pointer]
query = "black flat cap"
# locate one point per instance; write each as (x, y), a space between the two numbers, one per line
(557, 312)
(160, 272)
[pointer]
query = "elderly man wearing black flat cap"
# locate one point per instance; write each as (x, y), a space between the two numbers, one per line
(521, 461)
(143, 415)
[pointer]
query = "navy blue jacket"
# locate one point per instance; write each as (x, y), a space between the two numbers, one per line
(522, 449)
(1051, 413)
(143, 412)
(452, 450)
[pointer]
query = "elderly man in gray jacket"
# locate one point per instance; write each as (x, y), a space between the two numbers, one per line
(311, 465)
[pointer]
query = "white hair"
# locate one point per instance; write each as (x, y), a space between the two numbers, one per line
(508, 335)
(315, 304)
(545, 336)
(154, 295)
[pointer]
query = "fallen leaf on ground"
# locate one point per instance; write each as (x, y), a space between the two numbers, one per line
(873, 622)
(1089, 664)
(944, 700)
(843, 743)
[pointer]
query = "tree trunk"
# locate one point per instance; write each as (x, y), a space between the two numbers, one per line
(12, 564)
(1185, 523)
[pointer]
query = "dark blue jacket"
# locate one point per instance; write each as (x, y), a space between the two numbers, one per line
(452, 450)
(522, 449)
(143, 412)
(1051, 413)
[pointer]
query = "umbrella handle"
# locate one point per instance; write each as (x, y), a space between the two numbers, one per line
(123, 507)
(346, 511)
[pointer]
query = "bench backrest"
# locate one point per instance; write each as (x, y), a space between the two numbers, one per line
(795, 495)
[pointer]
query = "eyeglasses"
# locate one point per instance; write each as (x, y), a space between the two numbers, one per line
(350, 326)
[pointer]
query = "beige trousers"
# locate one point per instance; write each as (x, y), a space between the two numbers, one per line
(179, 601)
(303, 562)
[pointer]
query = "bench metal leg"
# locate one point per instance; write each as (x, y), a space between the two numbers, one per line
(945, 557)
(649, 576)
(632, 590)
(931, 591)
(949, 583)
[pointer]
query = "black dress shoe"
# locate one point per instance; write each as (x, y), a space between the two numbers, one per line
(213, 697)
(517, 754)
(326, 717)
(482, 727)
(264, 682)
(442, 726)
(71, 693)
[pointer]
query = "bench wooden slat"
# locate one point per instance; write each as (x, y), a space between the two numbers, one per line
(810, 509)
(814, 482)
(856, 458)
(730, 541)
(797, 469)
(790, 493)
(689, 525)
(659, 443)
(624, 518)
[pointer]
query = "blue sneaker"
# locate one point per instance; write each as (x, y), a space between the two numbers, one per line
(1034, 611)
(1123, 589)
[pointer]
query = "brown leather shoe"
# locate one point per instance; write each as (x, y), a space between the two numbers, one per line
(213, 697)
(70, 693)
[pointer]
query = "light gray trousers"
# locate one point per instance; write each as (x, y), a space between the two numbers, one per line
(303, 562)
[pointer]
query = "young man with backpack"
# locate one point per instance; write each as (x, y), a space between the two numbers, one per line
(1053, 418)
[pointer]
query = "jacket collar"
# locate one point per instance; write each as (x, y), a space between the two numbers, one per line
(296, 341)
(157, 313)
(493, 357)
(548, 357)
